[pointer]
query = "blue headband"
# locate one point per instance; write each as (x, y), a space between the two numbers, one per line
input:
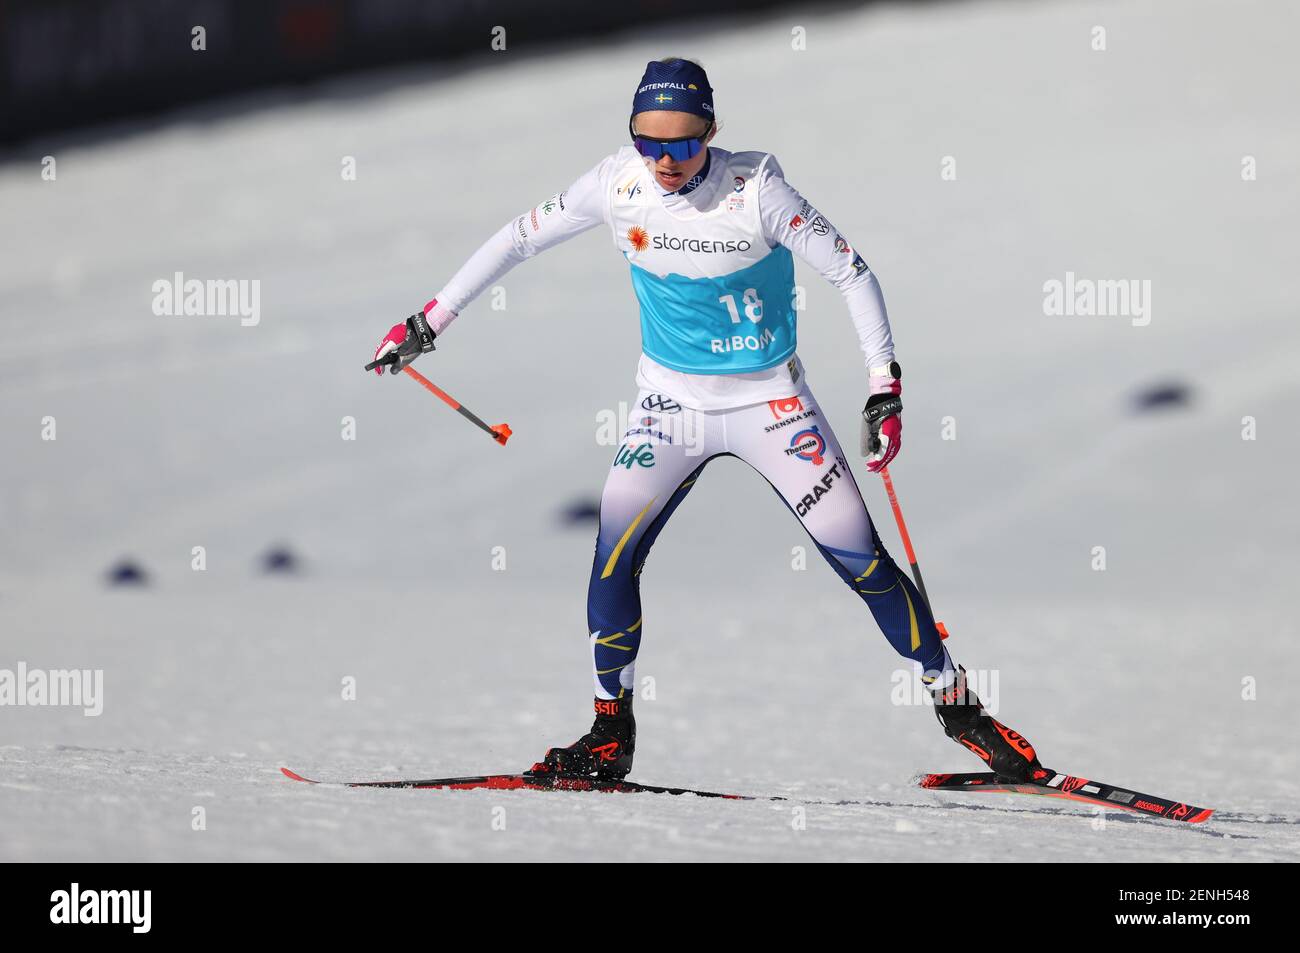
(678, 85)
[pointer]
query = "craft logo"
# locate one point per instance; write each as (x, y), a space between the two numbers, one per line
(130, 907)
(808, 445)
(637, 238)
(821, 488)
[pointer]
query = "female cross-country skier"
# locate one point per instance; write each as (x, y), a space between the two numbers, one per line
(709, 235)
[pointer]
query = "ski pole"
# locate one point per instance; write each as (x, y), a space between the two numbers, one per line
(907, 546)
(500, 433)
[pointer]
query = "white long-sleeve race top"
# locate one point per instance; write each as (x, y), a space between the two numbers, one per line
(784, 218)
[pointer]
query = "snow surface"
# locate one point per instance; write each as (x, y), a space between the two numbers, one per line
(182, 432)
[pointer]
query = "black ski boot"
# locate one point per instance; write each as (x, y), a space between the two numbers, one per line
(605, 752)
(1008, 753)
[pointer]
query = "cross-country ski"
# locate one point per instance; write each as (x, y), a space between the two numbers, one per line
(1055, 786)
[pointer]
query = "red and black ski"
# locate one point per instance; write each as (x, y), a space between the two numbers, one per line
(1072, 789)
(525, 782)
(1058, 786)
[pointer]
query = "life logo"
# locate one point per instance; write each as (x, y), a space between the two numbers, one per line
(808, 445)
(641, 456)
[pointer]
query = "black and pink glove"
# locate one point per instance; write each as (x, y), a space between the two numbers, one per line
(406, 342)
(882, 423)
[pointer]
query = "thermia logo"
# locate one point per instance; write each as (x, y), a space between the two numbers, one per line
(103, 906)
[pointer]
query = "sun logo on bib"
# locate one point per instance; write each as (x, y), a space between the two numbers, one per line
(637, 237)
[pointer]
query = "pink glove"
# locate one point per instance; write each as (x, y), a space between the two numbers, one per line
(394, 339)
(890, 437)
(413, 338)
(882, 425)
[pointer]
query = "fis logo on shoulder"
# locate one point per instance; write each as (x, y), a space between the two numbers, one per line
(128, 907)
